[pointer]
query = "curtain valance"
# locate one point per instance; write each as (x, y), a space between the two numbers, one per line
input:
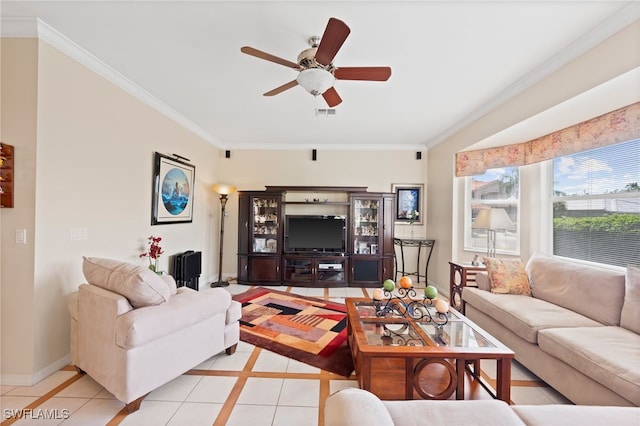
(613, 127)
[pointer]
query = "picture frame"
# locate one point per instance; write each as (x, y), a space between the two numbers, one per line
(408, 199)
(173, 190)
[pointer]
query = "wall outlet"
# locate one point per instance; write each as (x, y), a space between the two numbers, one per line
(77, 234)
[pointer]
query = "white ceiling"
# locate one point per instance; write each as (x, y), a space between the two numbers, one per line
(452, 61)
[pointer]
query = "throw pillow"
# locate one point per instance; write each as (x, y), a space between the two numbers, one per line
(141, 286)
(171, 283)
(507, 276)
(630, 316)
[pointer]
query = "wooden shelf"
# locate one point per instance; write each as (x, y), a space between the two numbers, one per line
(326, 203)
(317, 188)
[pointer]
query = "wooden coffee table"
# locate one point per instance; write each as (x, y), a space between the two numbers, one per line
(400, 357)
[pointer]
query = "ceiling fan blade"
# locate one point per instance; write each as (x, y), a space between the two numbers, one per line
(269, 57)
(332, 97)
(363, 73)
(282, 88)
(334, 35)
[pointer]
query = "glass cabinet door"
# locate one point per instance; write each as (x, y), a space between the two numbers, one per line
(265, 225)
(298, 269)
(365, 226)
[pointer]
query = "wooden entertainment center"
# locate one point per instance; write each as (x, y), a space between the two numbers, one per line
(265, 256)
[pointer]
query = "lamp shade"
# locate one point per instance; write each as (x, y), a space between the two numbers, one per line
(493, 219)
(223, 189)
(315, 80)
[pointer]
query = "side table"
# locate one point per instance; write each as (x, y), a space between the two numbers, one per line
(413, 242)
(461, 274)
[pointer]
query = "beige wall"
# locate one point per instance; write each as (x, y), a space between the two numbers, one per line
(18, 127)
(612, 58)
(252, 170)
(84, 154)
(92, 169)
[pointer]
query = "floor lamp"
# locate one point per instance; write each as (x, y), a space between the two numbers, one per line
(224, 191)
(492, 220)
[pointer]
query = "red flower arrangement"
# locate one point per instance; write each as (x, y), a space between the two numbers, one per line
(153, 252)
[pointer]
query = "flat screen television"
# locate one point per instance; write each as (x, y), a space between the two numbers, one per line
(314, 234)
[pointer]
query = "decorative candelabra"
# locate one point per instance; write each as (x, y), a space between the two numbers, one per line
(406, 303)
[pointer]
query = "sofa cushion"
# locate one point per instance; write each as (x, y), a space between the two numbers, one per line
(594, 292)
(141, 286)
(471, 412)
(609, 355)
(524, 315)
(571, 415)
(187, 307)
(630, 316)
(507, 276)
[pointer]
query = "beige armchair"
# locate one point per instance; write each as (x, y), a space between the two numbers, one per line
(133, 331)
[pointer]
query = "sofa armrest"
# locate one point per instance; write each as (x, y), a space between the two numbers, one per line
(482, 281)
(98, 310)
(355, 407)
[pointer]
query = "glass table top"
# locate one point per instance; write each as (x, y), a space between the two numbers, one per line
(456, 333)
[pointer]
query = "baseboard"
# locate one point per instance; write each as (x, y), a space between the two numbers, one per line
(30, 380)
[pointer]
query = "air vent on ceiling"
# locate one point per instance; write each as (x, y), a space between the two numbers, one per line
(325, 112)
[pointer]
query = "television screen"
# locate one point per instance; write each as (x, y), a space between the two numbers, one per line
(315, 233)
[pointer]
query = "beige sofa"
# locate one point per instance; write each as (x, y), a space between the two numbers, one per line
(579, 330)
(356, 407)
(133, 331)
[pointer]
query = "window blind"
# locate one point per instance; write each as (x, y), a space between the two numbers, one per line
(596, 205)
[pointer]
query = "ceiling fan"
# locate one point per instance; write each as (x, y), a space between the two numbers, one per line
(316, 70)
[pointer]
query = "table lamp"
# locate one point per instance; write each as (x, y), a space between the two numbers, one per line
(493, 219)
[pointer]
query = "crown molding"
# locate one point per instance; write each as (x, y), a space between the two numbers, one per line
(21, 27)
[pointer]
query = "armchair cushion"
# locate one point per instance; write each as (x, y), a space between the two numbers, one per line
(188, 307)
(141, 286)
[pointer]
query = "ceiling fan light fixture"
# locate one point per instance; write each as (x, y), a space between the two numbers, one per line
(315, 80)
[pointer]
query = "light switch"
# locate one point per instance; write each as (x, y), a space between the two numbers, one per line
(21, 236)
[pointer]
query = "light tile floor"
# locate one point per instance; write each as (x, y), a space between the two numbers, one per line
(221, 391)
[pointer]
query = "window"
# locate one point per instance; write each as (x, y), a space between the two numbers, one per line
(596, 205)
(496, 188)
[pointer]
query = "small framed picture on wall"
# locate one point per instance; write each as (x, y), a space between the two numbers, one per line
(172, 191)
(408, 202)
